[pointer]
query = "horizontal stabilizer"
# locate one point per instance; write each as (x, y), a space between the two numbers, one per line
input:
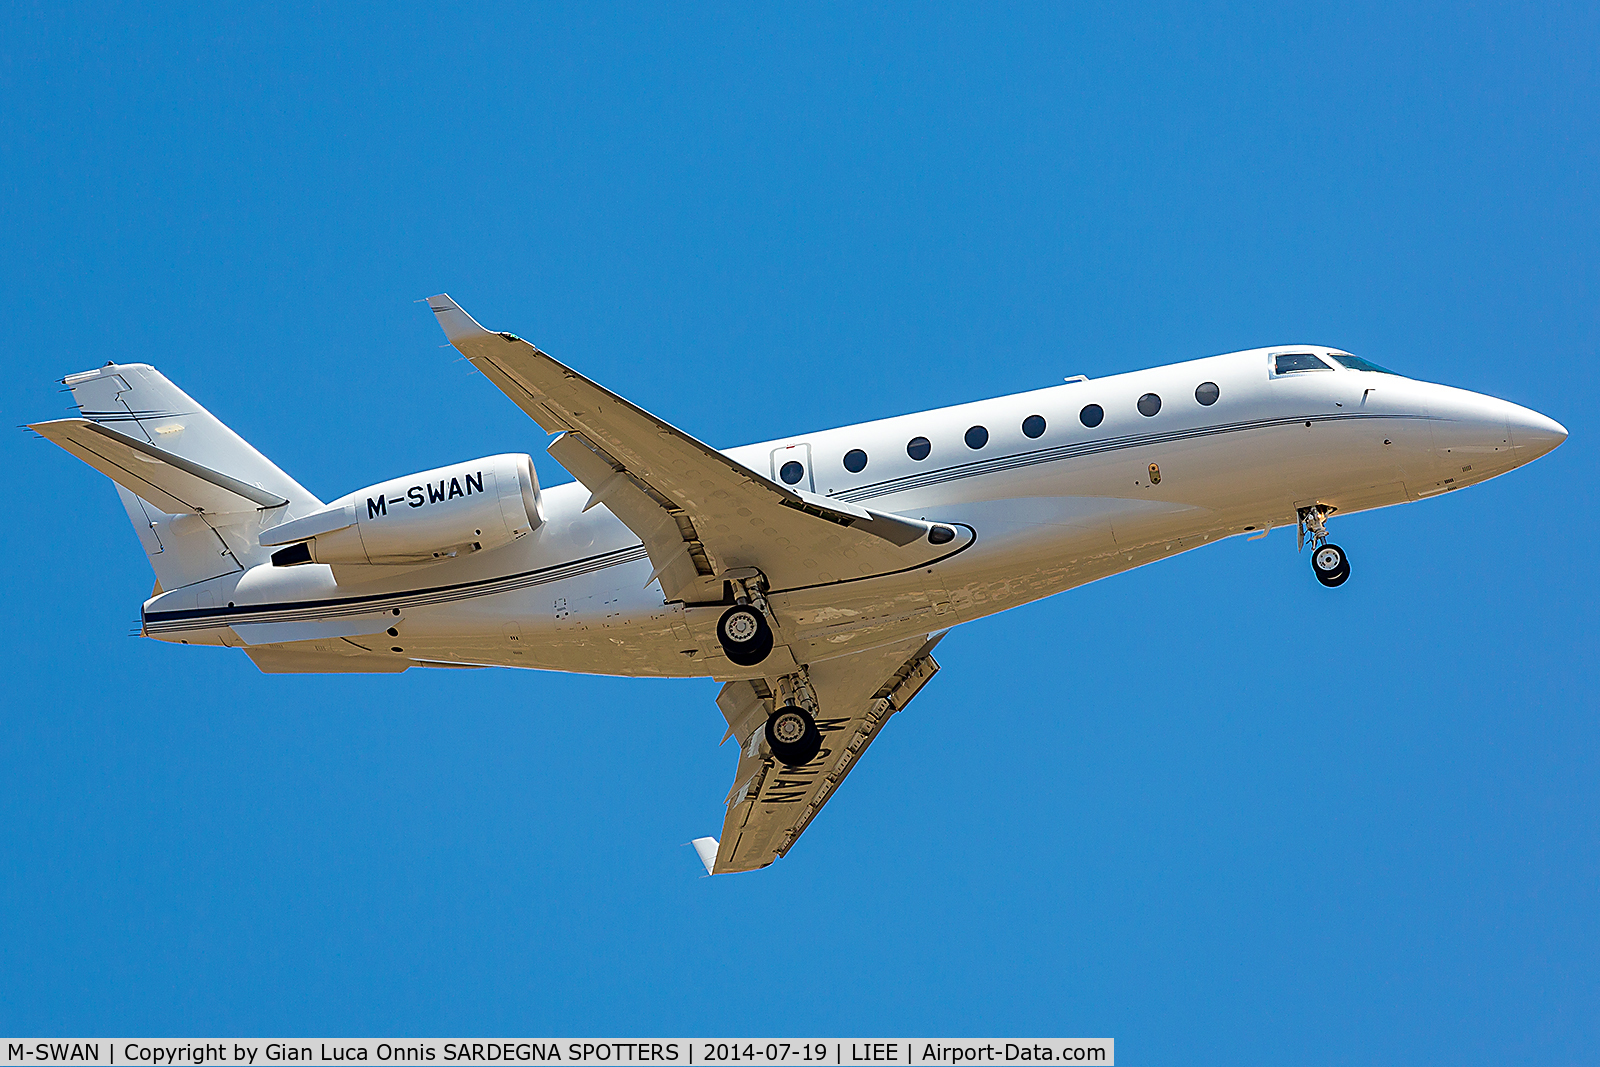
(176, 485)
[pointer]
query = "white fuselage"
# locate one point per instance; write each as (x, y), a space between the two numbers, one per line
(1050, 512)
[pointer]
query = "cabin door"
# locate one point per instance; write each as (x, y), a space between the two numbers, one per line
(791, 466)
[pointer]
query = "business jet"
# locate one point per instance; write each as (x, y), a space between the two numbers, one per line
(813, 575)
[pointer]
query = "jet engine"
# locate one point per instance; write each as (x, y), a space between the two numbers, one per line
(421, 518)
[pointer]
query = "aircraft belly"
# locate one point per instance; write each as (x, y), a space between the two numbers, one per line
(835, 620)
(606, 623)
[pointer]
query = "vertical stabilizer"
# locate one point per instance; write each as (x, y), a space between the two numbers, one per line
(184, 547)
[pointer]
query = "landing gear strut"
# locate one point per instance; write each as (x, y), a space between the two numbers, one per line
(1328, 561)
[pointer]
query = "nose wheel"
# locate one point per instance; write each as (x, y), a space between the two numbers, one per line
(1329, 564)
(1328, 561)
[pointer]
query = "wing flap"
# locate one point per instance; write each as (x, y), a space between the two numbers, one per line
(176, 485)
(676, 551)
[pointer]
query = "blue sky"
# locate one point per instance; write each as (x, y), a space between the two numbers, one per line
(1208, 808)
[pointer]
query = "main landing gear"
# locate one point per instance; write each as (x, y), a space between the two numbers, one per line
(743, 630)
(792, 732)
(793, 736)
(1328, 561)
(745, 634)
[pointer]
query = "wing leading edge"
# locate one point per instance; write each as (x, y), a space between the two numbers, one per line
(701, 514)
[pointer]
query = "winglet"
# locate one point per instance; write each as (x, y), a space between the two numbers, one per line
(457, 324)
(707, 848)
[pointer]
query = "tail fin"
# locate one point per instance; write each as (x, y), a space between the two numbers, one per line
(167, 452)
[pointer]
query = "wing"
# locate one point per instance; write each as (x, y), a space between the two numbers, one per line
(701, 515)
(175, 485)
(771, 805)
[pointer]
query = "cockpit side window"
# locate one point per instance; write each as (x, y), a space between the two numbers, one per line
(1289, 362)
(1357, 363)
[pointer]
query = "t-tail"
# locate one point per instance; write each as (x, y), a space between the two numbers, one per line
(198, 495)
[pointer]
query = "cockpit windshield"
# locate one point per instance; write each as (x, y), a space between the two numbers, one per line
(1357, 363)
(1293, 362)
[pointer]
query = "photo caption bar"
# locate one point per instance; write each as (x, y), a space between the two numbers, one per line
(679, 1052)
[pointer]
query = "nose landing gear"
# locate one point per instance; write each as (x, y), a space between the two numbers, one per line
(1328, 561)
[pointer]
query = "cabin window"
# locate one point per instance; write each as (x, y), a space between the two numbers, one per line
(1092, 415)
(1291, 362)
(1033, 426)
(918, 448)
(977, 437)
(855, 461)
(1207, 393)
(791, 472)
(1149, 404)
(1357, 363)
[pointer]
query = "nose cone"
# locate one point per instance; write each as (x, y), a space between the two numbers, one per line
(1484, 435)
(1533, 434)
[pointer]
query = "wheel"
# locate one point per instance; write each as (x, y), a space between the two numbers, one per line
(1330, 565)
(793, 736)
(745, 635)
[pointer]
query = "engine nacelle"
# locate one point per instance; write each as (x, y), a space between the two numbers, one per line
(422, 518)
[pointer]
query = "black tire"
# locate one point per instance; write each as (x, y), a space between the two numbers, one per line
(745, 635)
(1330, 564)
(793, 736)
